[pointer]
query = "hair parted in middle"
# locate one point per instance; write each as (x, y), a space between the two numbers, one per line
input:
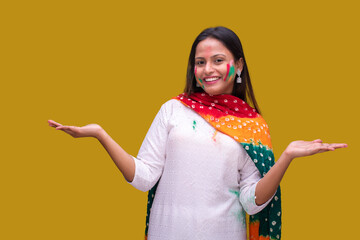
(232, 42)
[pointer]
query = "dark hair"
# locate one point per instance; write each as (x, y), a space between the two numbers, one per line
(232, 42)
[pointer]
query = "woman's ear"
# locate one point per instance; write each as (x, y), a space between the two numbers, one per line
(239, 64)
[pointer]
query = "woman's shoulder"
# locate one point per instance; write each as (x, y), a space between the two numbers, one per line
(171, 104)
(174, 108)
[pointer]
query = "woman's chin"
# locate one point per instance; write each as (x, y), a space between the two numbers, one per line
(213, 92)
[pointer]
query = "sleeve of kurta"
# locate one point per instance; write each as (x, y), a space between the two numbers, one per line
(150, 160)
(249, 177)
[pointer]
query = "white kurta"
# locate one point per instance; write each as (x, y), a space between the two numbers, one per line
(207, 179)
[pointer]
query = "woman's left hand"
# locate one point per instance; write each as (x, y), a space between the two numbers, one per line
(307, 148)
(269, 183)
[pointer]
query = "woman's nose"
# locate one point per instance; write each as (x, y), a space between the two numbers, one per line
(208, 68)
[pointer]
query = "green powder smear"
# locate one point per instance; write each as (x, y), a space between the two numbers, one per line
(194, 124)
(234, 192)
(231, 72)
(201, 81)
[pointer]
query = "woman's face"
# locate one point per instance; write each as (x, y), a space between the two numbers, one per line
(215, 67)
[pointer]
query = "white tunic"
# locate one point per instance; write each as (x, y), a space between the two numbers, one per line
(207, 179)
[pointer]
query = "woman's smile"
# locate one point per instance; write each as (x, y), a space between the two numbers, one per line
(211, 80)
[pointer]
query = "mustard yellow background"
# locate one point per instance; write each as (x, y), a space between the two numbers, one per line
(114, 63)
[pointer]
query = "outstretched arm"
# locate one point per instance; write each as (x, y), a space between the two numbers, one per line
(267, 186)
(124, 162)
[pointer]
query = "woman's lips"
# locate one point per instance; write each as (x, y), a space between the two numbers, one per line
(211, 80)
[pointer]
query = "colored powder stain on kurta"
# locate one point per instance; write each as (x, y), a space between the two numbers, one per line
(214, 135)
(237, 193)
(241, 217)
(194, 125)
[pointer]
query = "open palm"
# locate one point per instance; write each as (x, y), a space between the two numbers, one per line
(307, 148)
(90, 130)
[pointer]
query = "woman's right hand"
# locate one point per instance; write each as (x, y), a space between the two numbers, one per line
(90, 130)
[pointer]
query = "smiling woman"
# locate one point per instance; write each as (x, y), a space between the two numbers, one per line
(207, 157)
(214, 67)
(224, 51)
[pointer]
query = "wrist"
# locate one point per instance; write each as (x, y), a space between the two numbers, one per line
(100, 134)
(287, 155)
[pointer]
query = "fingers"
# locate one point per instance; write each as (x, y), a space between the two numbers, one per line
(324, 147)
(52, 123)
(68, 128)
(71, 130)
(338, 145)
(71, 133)
(330, 145)
(61, 127)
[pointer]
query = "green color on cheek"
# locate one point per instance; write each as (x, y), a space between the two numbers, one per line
(201, 81)
(231, 72)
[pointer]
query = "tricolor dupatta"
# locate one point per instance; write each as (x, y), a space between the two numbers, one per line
(235, 118)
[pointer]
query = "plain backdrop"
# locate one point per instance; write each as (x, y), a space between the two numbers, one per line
(115, 63)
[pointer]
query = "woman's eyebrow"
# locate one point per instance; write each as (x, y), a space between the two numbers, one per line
(216, 55)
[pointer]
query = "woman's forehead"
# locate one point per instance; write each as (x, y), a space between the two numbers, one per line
(210, 47)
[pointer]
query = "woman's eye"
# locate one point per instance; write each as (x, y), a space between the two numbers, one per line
(199, 62)
(219, 60)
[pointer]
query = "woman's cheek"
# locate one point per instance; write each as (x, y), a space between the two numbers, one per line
(199, 80)
(230, 72)
(232, 77)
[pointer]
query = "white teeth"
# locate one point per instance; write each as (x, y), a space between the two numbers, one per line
(211, 79)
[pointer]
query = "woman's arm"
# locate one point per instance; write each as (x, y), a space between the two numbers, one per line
(268, 185)
(124, 162)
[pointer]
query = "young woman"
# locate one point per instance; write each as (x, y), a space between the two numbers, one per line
(207, 157)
